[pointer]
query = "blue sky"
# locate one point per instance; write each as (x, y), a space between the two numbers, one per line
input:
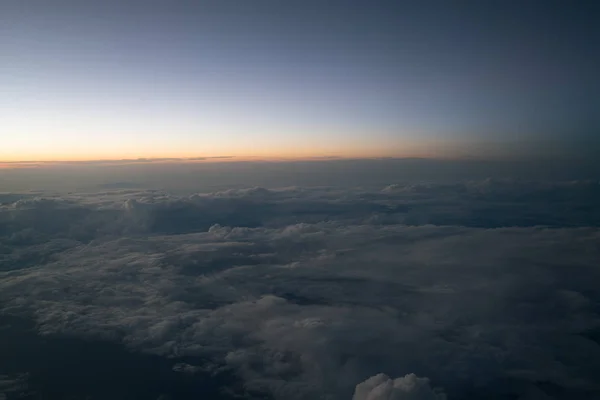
(105, 79)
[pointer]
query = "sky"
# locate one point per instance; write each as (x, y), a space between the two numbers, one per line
(84, 80)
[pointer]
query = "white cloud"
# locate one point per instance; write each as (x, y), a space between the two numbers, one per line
(409, 387)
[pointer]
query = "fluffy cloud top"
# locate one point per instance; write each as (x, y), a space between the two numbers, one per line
(409, 387)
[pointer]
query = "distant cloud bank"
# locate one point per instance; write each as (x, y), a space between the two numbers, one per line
(125, 161)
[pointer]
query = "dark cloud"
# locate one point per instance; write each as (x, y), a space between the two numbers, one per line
(487, 288)
(71, 368)
(125, 161)
(13, 385)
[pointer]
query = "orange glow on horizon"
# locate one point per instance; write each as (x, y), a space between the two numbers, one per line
(44, 162)
(348, 150)
(343, 150)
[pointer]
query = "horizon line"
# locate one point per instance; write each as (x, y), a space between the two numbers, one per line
(17, 164)
(185, 160)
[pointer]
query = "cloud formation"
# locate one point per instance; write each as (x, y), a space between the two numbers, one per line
(487, 288)
(409, 387)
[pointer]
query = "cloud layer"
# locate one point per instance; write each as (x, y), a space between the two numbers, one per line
(486, 288)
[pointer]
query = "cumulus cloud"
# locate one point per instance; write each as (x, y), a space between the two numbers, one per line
(305, 292)
(409, 387)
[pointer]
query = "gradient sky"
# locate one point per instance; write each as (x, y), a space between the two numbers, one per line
(125, 79)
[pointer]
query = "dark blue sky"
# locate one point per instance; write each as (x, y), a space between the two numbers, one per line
(89, 79)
